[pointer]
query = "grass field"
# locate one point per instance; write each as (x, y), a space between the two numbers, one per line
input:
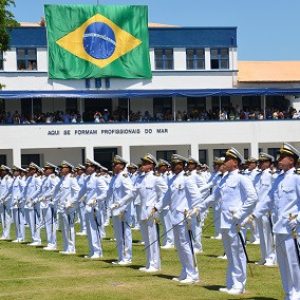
(32, 273)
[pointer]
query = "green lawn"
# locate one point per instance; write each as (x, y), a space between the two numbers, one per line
(32, 273)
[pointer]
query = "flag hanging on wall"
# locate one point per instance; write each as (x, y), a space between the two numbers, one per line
(92, 41)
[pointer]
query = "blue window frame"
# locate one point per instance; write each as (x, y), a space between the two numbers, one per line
(195, 58)
(219, 58)
(164, 59)
(26, 59)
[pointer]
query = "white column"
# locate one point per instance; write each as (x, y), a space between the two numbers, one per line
(264, 105)
(89, 152)
(210, 155)
(195, 151)
(174, 108)
(16, 156)
(254, 149)
(80, 102)
(126, 152)
(207, 59)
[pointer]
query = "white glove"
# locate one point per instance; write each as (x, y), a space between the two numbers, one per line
(153, 214)
(68, 204)
(293, 222)
(193, 213)
(82, 199)
(92, 202)
(42, 199)
(249, 220)
(29, 203)
(121, 215)
(114, 206)
(236, 215)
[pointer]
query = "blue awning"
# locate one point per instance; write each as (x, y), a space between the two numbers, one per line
(147, 93)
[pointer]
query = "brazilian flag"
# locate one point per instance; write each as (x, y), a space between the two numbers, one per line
(94, 41)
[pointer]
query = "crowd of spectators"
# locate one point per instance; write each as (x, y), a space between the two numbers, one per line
(120, 115)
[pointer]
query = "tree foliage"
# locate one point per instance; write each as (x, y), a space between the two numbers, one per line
(6, 20)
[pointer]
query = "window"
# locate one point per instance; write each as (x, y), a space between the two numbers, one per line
(196, 107)
(203, 156)
(71, 105)
(123, 103)
(1, 60)
(163, 59)
(224, 101)
(277, 102)
(31, 106)
(220, 152)
(273, 151)
(162, 108)
(246, 152)
(93, 105)
(2, 105)
(26, 59)
(26, 159)
(251, 103)
(165, 154)
(195, 59)
(219, 58)
(105, 156)
(3, 159)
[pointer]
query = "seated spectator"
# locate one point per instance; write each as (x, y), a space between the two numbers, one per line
(275, 115)
(147, 116)
(97, 117)
(179, 116)
(74, 118)
(49, 118)
(260, 116)
(66, 118)
(106, 115)
(16, 118)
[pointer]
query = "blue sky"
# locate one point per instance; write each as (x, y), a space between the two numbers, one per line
(267, 29)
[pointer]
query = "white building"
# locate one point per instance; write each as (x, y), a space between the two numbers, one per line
(194, 69)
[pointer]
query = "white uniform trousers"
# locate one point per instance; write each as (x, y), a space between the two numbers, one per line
(217, 219)
(197, 222)
(122, 232)
(168, 234)
(33, 218)
(101, 213)
(68, 230)
(137, 209)
(267, 249)
(19, 220)
(183, 246)
(150, 237)
(6, 220)
(106, 213)
(236, 269)
(288, 265)
(252, 227)
(93, 224)
(81, 214)
(49, 220)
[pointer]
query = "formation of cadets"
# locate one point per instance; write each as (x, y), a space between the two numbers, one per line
(168, 203)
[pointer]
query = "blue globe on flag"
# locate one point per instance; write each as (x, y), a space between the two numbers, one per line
(99, 40)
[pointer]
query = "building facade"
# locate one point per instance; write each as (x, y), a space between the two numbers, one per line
(191, 106)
